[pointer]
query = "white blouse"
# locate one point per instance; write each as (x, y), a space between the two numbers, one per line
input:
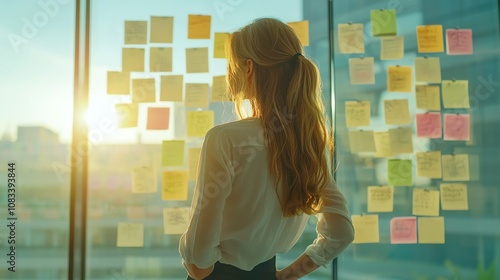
(236, 216)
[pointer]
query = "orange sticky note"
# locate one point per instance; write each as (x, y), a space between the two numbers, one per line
(430, 38)
(199, 26)
(175, 185)
(399, 79)
(301, 28)
(403, 230)
(158, 118)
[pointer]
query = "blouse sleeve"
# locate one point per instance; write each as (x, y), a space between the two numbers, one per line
(199, 245)
(334, 228)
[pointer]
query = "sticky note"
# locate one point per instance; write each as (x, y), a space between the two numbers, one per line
(429, 164)
(399, 79)
(172, 153)
(392, 48)
(428, 97)
(118, 82)
(301, 28)
(196, 95)
(427, 69)
(194, 157)
(399, 172)
(160, 60)
(357, 113)
(396, 111)
(431, 230)
(175, 185)
(143, 90)
(403, 230)
(147, 266)
(459, 41)
(144, 179)
(383, 22)
(136, 212)
(456, 94)
(175, 220)
(351, 38)
(197, 60)
(425, 202)
(382, 144)
(171, 88)
(130, 235)
(401, 140)
(457, 127)
(429, 125)
(366, 229)
(162, 29)
(220, 40)
(127, 114)
(380, 199)
(199, 123)
(454, 197)
(136, 32)
(199, 26)
(158, 118)
(430, 38)
(219, 91)
(455, 167)
(361, 71)
(132, 60)
(361, 141)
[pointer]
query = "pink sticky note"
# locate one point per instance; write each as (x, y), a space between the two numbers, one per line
(457, 127)
(429, 125)
(403, 230)
(459, 41)
(158, 118)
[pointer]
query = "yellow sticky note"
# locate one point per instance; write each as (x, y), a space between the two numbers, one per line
(361, 71)
(456, 94)
(383, 22)
(454, 197)
(118, 82)
(196, 95)
(199, 123)
(399, 79)
(301, 28)
(220, 40)
(144, 180)
(425, 202)
(196, 60)
(428, 69)
(366, 229)
(430, 38)
(219, 90)
(199, 26)
(172, 153)
(171, 88)
(429, 164)
(392, 48)
(162, 29)
(361, 141)
(431, 230)
(194, 157)
(132, 60)
(396, 111)
(160, 60)
(351, 38)
(428, 98)
(382, 144)
(401, 140)
(357, 113)
(127, 114)
(455, 167)
(143, 90)
(175, 220)
(380, 199)
(130, 235)
(136, 32)
(175, 185)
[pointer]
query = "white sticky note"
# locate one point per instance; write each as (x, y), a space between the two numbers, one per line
(144, 180)
(361, 71)
(130, 235)
(175, 220)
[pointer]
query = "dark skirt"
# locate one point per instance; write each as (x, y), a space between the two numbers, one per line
(263, 271)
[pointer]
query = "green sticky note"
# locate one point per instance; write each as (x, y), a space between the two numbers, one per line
(172, 153)
(383, 22)
(399, 172)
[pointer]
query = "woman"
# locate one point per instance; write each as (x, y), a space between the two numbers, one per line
(261, 177)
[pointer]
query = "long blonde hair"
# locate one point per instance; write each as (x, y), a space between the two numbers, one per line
(285, 94)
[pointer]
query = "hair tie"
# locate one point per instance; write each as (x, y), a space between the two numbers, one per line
(294, 58)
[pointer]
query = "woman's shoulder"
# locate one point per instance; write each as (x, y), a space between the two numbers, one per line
(238, 130)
